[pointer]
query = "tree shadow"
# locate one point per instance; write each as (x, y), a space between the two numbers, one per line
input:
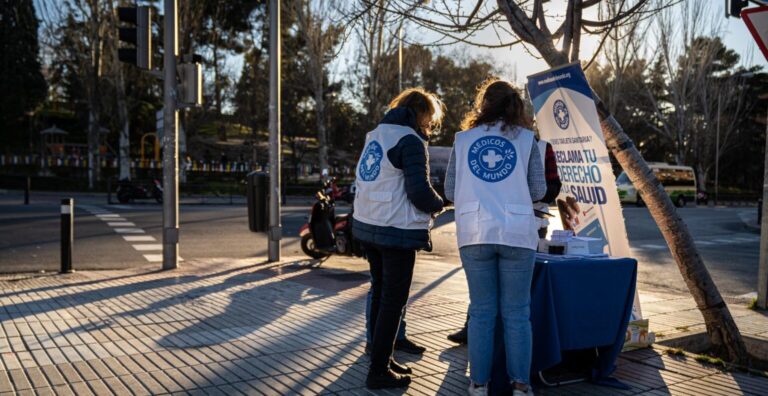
(28, 308)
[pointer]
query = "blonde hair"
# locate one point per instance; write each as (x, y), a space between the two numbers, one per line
(422, 102)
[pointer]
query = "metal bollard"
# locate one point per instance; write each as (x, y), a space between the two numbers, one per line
(67, 234)
(27, 189)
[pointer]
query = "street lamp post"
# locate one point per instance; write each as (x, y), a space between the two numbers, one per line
(275, 228)
(762, 271)
(170, 148)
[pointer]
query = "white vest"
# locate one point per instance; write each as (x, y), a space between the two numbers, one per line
(380, 198)
(493, 203)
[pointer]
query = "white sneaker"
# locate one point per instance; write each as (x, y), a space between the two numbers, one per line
(477, 390)
(518, 392)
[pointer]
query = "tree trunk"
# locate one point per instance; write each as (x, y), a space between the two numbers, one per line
(702, 177)
(322, 133)
(94, 113)
(124, 150)
(217, 90)
(93, 147)
(723, 334)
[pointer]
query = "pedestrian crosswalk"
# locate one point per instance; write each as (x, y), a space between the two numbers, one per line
(130, 232)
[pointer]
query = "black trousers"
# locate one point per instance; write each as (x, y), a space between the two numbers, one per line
(391, 275)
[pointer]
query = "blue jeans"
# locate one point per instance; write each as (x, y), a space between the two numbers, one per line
(400, 331)
(499, 279)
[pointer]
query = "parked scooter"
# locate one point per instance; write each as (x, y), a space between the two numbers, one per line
(325, 233)
(128, 191)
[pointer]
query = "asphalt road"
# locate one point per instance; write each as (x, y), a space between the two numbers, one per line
(29, 238)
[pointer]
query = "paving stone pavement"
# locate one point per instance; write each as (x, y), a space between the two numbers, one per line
(246, 327)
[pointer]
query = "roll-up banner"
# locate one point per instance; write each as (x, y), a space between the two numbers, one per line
(567, 118)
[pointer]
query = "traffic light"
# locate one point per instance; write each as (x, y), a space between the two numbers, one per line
(139, 36)
(736, 6)
(190, 83)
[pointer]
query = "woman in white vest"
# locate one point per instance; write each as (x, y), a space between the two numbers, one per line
(494, 174)
(394, 204)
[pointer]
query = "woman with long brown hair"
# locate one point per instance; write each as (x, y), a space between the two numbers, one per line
(494, 174)
(393, 209)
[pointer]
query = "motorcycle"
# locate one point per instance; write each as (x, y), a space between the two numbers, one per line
(325, 233)
(128, 191)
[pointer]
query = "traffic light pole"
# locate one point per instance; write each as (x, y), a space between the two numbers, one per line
(762, 266)
(275, 230)
(170, 146)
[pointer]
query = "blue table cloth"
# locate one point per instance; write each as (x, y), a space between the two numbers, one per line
(577, 303)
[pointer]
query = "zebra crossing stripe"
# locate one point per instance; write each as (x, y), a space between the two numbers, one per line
(139, 238)
(146, 247)
(129, 230)
(122, 226)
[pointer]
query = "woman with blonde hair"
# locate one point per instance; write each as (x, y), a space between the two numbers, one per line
(494, 174)
(393, 209)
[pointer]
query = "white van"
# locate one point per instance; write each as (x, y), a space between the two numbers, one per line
(678, 181)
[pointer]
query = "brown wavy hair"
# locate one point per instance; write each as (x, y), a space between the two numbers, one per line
(497, 100)
(424, 103)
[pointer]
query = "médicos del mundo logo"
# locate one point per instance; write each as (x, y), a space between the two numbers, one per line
(370, 163)
(562, 116)
(492, 158)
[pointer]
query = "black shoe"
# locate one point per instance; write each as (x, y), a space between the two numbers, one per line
(459, 337)
(407, 346)
(399, 368)
(388, 379)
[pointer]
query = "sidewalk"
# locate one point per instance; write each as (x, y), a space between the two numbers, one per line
(246, 327)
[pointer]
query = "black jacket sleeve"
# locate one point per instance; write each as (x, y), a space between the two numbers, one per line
(410, 155)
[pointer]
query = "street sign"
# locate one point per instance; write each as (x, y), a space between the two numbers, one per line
(757, 23)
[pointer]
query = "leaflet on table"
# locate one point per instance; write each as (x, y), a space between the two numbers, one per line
(572, 245)
(567, 118)
(561, 257)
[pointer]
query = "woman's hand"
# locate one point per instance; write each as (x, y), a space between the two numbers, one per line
(569, 212)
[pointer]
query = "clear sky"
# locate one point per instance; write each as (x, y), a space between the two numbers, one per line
(517, 60)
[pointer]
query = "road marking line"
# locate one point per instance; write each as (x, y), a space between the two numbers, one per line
(747, 239)
(147, 247)
(139, 238)
(121, 224)
(652, 246)
(704, 243)
(116, 220)
(129, 230)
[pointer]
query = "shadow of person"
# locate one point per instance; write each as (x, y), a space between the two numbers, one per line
(456, 373)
